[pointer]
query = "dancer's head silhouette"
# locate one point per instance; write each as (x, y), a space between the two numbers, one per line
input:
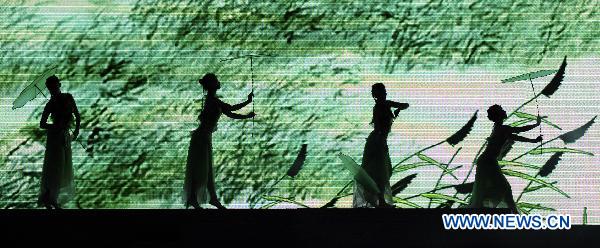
(210, 82)
(378, 92)
(496, 114)
(53, 85)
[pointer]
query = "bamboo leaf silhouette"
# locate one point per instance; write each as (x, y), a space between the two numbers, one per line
(556, 80)
(572, 136)
(534, 179)
(432, 161)
(462, 133)
(519, 123)
(464, 188)
(532, 206)
(550, 165)
(529, 75)
(531, 117)
(283, 199)
(405, 202)
(359, 174)
(402, 184)
(333, 201)
(406, 167)
(298, 163)
(539, 151)
(437, 196)
(503, 163)
(537, 187)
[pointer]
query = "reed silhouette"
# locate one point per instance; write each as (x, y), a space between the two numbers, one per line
(57, 185)
(491, 189)
(376, 158)
(199, 184)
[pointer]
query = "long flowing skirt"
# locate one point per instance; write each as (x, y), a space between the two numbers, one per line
(198, 171)
(376, 162)
(57, 184)
(491, 189)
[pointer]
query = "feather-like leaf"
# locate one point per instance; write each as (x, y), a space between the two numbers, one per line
(574, 135)
(534, 179)
(462, 133)
(406, 167)
(405, 202)
(550, 165)
(298, 163)
(360, 175)
(533, 118)
(532, 206)
(464, 188)
(537, 187)
(529, 75)
(402, 184)
(558, 149)
(432, 161)
(556, 80)
(503, 163)
(443, 197)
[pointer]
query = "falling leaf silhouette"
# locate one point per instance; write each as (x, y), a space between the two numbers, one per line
(572, 136)
(530, 75)
(556, 81)
(463, 132)
(550, 165)
(298, 163)
(402, 184)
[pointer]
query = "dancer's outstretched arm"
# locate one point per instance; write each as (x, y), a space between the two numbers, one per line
(228, 111)
(243, 104)
(523, 139)
(526, 128)
(398, 105)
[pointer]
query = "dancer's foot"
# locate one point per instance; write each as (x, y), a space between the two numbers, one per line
(195, 205)
(217, 204)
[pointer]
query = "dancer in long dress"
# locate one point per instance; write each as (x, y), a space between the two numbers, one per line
(491, 189)
(57, 185)
(199, 184)
(376, 158)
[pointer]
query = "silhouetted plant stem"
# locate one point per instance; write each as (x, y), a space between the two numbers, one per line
(442, 175)
(523, 105)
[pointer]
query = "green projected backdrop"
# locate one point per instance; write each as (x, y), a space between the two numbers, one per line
(133, 66)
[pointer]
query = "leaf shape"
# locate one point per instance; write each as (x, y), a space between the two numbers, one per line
(298, 163)
(436, 163)
(402, 184)
(359, 174)
(540, 151)
(517, 164)
(462, 133)
(519, 123)
(572, 136)
(550, 165)
(270, 205)
(537, 187)
(405, 202)
(443, 197)
(533, 118)
(464, 188)
(531, 178)
(532, 206)
(282, 199)
(556, 81)
(406, 167)
(529, 75)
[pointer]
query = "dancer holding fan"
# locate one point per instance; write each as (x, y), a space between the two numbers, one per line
(199, 184)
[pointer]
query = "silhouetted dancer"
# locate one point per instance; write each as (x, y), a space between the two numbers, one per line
(57, 173)
(491, 187)
(376, 158)
(199, 184)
